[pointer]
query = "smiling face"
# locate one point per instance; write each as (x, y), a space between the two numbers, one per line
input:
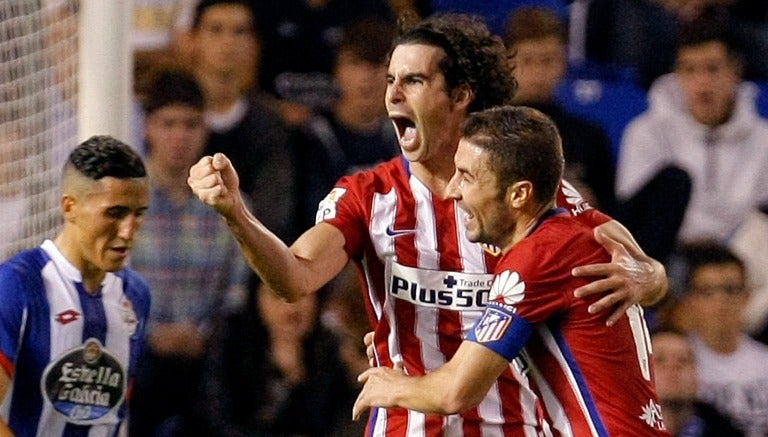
(101, 221)
(426, 115)
(475, 187)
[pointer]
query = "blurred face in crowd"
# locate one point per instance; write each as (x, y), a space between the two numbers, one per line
(287, 320)
(674, 366)
(360, 82)
(176, 137)
(225, 41)
(709, 78)
(426, 116)
(717, 296)
(539, 66)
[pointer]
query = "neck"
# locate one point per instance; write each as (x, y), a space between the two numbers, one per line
(171, 181)
(723, 343)
(221, 91)
(676, 417)
(92, 277)
(525, 222)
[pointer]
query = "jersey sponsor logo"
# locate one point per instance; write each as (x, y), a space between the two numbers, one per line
(574, 199)
(491, 249)
(129, 315)
(652, 415)
(508, 288)
(439, 289)
(394, 233)
(67, 316)
(85, 383)
(326, 210)
(493, 325)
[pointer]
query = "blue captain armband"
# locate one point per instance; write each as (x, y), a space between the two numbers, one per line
(501, 330)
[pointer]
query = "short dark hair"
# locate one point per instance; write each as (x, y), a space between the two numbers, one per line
(368, 39)
(707, 29)
(204, 5)
(534, 23)
(173, 87)
(474, 56)
(523, 144)
(103, 156)
(690, 257)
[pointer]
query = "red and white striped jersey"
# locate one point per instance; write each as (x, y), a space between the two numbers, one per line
(593, 380)
(425, 286)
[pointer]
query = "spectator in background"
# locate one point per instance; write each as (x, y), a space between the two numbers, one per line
(274, 370)
(187, 255)
(226, 49)
(158, 28)
(300, 41)
(677, 384)
(640, 34)
(701, 144)
(539, 39)
(496, 13)
(355, 133)
(731, 366)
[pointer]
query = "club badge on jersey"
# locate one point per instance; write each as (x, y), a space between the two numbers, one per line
(85, 383)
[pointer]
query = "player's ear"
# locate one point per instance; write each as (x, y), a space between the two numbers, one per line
(68, 207)
(462, 95)
(519, 194)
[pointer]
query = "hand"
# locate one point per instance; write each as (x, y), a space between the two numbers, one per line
(181, 339)
(370, 349)
(378, 389)
(215, 181)
(630, 278)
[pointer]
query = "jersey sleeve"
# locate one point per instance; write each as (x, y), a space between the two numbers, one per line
(527, 290)
(12, 305)
(343, 208)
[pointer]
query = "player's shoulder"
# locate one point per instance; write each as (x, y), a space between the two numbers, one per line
(557, 233)
(24, 264)
(133, 280)
(379, 179)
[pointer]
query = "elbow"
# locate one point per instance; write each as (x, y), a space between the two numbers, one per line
(458, 401)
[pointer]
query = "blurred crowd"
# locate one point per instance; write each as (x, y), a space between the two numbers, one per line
(660, 106)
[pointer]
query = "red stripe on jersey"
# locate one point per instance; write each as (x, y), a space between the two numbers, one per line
(7, 365)
(385, 216)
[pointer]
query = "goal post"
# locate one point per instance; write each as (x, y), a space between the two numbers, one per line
(47, 106)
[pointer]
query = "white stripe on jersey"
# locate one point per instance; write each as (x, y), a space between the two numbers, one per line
(59, 277)
(553, 406)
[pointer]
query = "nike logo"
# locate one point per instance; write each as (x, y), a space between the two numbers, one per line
(400, 232)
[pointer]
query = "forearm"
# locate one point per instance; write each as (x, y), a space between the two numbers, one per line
(440, 392)
(460, 384)
(656, 283)
(292, 272)
(5, 431)
(5, 383)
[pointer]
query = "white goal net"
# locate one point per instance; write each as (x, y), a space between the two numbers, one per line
(38, 115)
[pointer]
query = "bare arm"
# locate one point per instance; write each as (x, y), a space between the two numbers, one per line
(631, 277)
(5, 383)
(292, 272)
(458, 385)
